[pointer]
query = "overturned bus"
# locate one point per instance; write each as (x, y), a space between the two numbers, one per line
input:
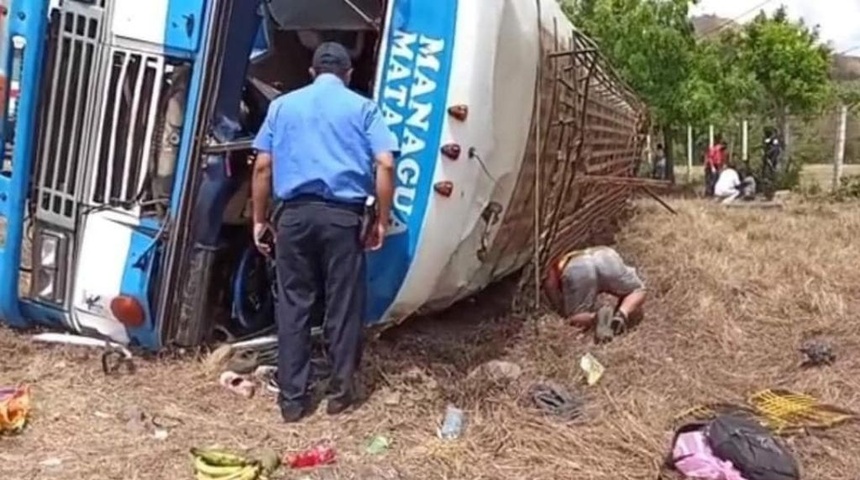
(124, 195)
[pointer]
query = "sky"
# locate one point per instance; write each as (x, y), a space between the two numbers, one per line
(839, 20)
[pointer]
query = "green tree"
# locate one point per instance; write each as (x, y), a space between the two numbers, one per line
(651, 43)
(789, 63)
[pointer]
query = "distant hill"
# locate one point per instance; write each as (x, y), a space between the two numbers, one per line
(845, 67)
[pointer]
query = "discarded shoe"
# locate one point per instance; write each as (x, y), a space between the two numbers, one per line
(603, 331)
(618, 324)
(555, 400)
(237, 384)
(817, 354)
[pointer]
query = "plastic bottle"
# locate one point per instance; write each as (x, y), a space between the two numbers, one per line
(453, 424)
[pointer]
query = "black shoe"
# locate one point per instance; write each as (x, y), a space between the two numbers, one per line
(292, 413)
(338, 406)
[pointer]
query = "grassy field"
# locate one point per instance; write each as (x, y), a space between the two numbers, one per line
(734, 293)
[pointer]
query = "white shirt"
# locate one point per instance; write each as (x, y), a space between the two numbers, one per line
(728, 183)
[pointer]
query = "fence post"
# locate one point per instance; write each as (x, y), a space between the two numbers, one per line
(839, 158)
(689, 153)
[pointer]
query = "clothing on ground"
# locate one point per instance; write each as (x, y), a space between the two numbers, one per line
(594, 271)
(323, 139)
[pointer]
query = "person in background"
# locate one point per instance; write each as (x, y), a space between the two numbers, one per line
(659, 172)
(714, 160)
(729, 185)
(574, 282)
(770, 162)
(748, 183)
(318, 149)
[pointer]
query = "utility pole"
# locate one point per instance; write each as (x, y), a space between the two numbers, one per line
(839, 157)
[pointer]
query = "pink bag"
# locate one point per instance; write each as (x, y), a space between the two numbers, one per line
(692, 456)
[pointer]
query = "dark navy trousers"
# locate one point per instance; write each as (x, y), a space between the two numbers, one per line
(319, 244)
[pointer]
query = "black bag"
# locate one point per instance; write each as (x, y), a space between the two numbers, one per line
(753, 451)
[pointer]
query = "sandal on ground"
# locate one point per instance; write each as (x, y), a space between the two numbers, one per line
(237, 384)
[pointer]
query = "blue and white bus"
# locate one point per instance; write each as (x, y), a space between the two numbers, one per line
(124, 197)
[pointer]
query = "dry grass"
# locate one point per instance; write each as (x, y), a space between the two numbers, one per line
(734, 294)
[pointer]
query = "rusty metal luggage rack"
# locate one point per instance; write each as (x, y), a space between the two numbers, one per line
(587, 124)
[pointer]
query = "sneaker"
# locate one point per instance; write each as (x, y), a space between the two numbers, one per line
(603, 331)
(618, 324)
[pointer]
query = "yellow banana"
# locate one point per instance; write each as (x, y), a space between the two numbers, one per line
(215, 471)
(249, 472)
(219, 458)
(203, 476)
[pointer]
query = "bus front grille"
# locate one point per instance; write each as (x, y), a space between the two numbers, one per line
(68, 97)
(127, 127)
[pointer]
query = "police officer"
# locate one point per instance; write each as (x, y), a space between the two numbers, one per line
(325, 150)
(772, 152)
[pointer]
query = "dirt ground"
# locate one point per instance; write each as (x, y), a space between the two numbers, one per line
(735, 292)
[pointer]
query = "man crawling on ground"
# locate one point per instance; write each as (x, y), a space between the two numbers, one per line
(575, 281)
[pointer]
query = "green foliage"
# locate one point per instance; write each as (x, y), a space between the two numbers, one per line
(650, 42)
(847, 93)
(772, 66)
(789, 63)
(849, 188)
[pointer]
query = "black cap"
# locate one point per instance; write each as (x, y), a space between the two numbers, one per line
(331, 56)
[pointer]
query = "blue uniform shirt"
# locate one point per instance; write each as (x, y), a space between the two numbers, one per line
(323, 139)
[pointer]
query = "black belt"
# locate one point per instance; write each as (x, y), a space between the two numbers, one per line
(366, 210)
(302, 200)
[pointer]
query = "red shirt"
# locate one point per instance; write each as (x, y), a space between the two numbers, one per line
(716, 157)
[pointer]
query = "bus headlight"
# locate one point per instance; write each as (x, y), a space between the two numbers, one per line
(46, 284)
(48, 252)
(49, 266)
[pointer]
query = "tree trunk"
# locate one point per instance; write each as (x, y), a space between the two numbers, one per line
(668, 148)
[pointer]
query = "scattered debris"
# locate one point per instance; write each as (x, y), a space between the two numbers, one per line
(751, 449)
(116, 360)
(818, 353)
(217, 360)
(692, 456)
(378, 445)
(237, 384)
(51, 462)
(317, 456)
(453, 425)
(15, 405)
(160, 434)
(498, 371)
(593, 369)
(730, 447)
(392, 399)
(782, 411)
(555, 400)
(269, 460)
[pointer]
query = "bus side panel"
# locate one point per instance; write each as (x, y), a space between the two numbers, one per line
(28, 21)
(412, 89)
